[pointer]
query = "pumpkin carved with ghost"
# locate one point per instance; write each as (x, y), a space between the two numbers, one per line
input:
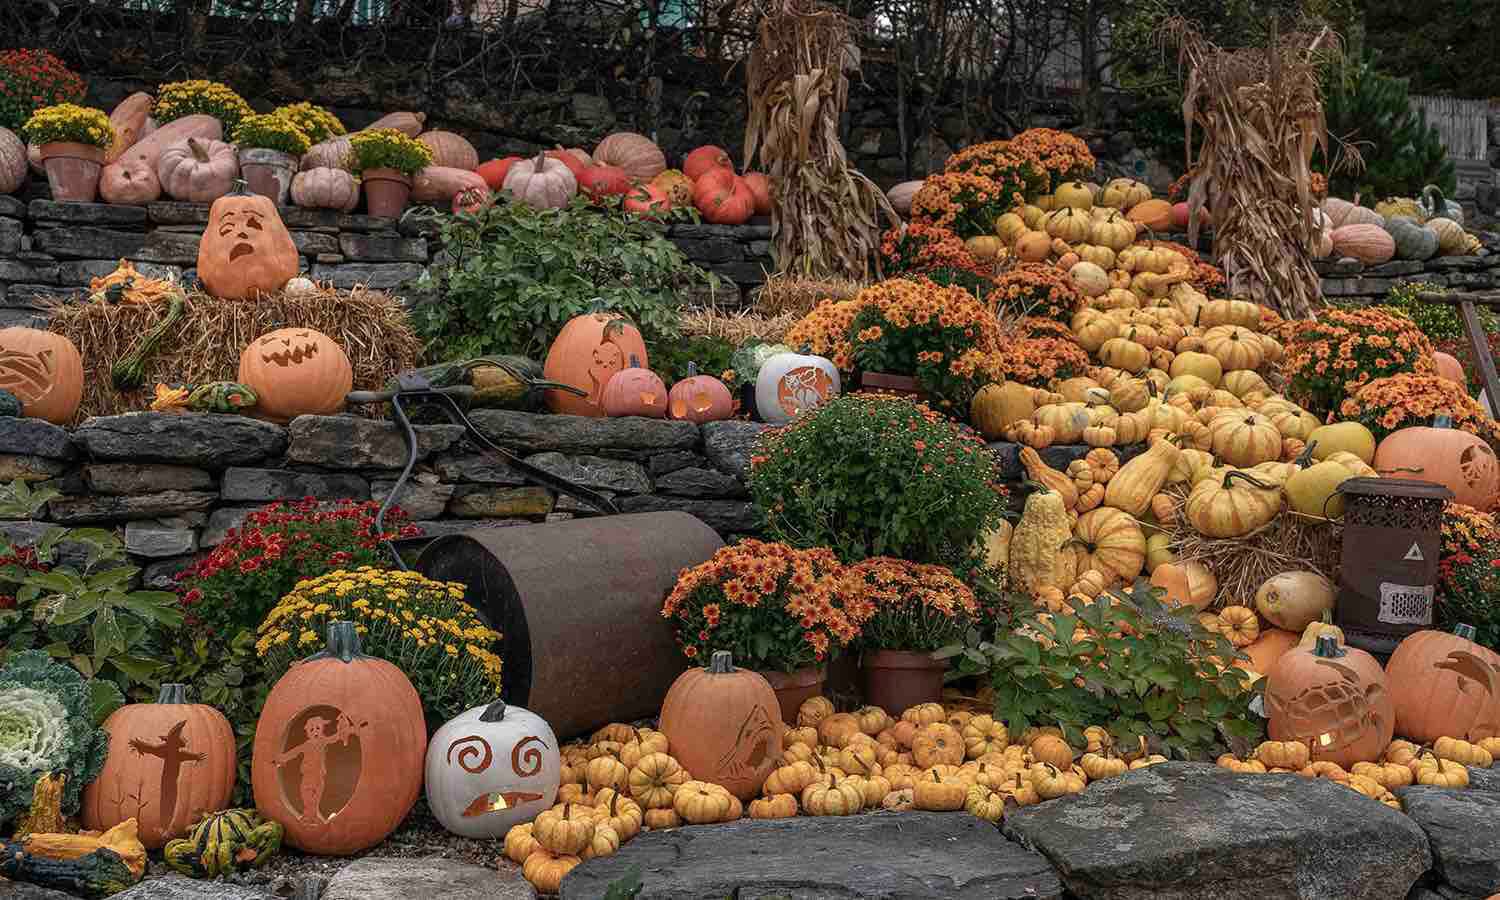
(296, 372)
(246, 249)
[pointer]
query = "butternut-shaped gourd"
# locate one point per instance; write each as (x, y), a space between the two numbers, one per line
(1036, 560)
(1132, 488)
(1042, 473)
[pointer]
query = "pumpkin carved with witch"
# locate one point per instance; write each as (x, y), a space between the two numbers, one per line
(490, 768)
(246, 249)
(296, 372)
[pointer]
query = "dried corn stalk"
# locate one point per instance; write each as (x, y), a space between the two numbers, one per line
(1261, 114)
(826, 221)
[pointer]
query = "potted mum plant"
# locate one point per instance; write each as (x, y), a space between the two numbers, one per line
(385, 160)
(270, 148)
(72, 141)
(778, 610)
(910, 610)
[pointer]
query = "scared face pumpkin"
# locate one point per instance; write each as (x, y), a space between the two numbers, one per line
(246, 249)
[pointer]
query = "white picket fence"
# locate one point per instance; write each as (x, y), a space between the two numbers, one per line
(1463, 124)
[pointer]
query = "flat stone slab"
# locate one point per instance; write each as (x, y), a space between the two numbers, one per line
(177, 887)
(1460, 827)
(194, 439)
(1189, 831)
(912, 856)
(383, 878)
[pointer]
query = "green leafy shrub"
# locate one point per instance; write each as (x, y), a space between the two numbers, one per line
(46, 725)
(1143, 670)
(272, 132)
(227, 675)
(670, 358)
(387, 148)
(32, 79)
(1437, 321)
(877, 476)
(1372, 111)
(199, 97)
(512, 276)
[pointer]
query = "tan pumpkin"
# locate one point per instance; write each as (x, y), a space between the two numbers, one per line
(131, 122)
(1244, 313)
(450, 150)
(325, 188)
(1069, 224)
(541, 182)
(197, 171)
(1245, 439)
(246, 250)
(294, 372)
(901, 196)
(1452, 239)
(408, 123)
(1370, 244)
(637, 154)
(1123, 193)
(133, 177)
(1067, 421)
(998, 406)
(1231, 503)
(1233, 346)
(1113, 232)
(1110, 541)
(1294, 600)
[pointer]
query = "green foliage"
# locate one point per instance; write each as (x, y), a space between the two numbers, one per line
(1437, 321)
(229, 677)
(87, 616)
(1151, 681)
(1440, 44)
(46, 725)
(272, 132)
(387, 148)
(877, 476)
(626, 887)
(1372, 112)
(670, 359)
(512, 276)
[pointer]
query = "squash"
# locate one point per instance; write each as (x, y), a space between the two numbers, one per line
(1370, 244)
(1452, 239)
(1412, 241)
(1124, 353)
(1313, 491)
(1202, 366)
(1035, 560)
(1110, 541)
(1132, 488)
(1244, 313)
(1342, 436)
(1244, 439)
(996, 407)
(1067, 421)
(1069, 224)
(133, 177)
(1231, 504)
(1294, 600)
(1042, 473)
(1341, 212)
(1123, 193)
(996, 545)
(1234, 346)
(1153, 214)
(1089, 279)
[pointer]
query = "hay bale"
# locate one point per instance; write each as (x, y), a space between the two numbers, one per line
(783, 294)
(736, 328)
(205, 345)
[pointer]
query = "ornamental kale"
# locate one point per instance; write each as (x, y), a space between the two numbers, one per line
(47, 724)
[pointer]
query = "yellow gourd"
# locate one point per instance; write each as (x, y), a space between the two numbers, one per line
(1141, 479)
(1042, 473)
(1036, 560)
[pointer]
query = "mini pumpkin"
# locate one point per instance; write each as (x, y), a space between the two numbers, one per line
(935, 793)
(700, 803)
(836, 797)
(776, 806)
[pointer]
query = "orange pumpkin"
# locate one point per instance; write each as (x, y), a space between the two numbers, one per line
(246, 249)
(760, 190)
(296, 372)
(724, 725)
(1445, 685)
(169, 763)
(44, 371)
(647, 200)
(598, 182)
(637, 154)
(1449, 367)
(705, 159)
(700, 398)
(587, 353)
(724, 201)
(634, 391)
(339, 749)
(1333, 699)
(1267, 649)
(494, 171)
(1458, 460)
(1154, 214)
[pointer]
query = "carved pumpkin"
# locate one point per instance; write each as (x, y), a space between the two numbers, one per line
(197, 171)
(1455, 459)
(647, 200)
(450, 150)
(724, 201)
(634, 391)
(169, 763)
(724, 725)
(339, 749)
(44, 371)
(246, 249)
(704, 160)
(491, 767)
(599, 182)
(13, 165)
(494, 171)
(542, 182)
(325, 188)
(296, 372)
(700, 398)
(587, 353)
(760, 190)
(1445, 685)
(791, 383)
(1333, 699)
(637, 154)
(133, 177)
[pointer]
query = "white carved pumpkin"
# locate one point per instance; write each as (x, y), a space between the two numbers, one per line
(490, 768)
(792, 383)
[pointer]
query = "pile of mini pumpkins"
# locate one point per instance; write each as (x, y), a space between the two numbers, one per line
(833, 764)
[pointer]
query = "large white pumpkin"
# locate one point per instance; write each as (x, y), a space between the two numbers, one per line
(490, 768)
(792, 383)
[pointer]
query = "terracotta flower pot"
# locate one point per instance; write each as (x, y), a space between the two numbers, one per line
(897, 680)
(268, 173)
(795, 687)
(72, 170)
(891, 385)
(386, 192)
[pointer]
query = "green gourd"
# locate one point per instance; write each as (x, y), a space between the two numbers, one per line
(499, 382)
(224, 842)
(99, 873)
(221, 397)
(1413, 241)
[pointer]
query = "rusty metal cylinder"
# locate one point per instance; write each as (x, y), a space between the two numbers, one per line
(579, 606)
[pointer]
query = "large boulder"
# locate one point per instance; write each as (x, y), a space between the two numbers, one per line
(914, 856)
(390, 878)
(1460, 826)
(1188, 831)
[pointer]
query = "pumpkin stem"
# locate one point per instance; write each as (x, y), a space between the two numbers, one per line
(692, 369)
(1328, 648)
(199, 153)
(1465, 631)
(177, 693)
(240, 189)
(722, 661)
(495, 712)
(1246, 477)
(342, 643)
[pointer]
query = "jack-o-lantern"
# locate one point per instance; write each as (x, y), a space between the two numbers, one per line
(700, 398)
(169, 763)
(296, 372)
(1332, 699)
(339, 749)
(1457, 460)
(793, 383)
(490, 768)
(587, 353)
(634, 391)
(44, 371)
(724, 725)
(246, 249)
(1445, 685)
